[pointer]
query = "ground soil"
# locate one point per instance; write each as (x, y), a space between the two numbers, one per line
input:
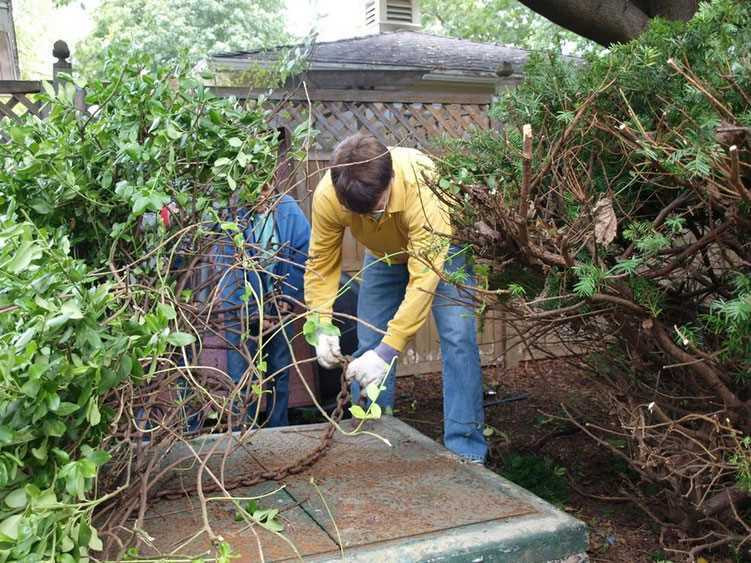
(618, 531)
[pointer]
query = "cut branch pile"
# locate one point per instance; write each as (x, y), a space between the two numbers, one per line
(611, 216)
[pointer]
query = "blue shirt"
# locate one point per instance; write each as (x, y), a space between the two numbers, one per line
(283, 236)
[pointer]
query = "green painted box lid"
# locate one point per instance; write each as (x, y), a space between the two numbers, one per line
(412, 501)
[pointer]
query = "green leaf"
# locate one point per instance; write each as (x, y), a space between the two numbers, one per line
(41, 452)
(95, 544)
(25, 337)
(42, 207)
(126, 367)
(374, 411)
(330, 329)
(167, 311)
(66, 408)
(140, 204)
(272, 525)
(53, 402)
(71, 310)
(99, 457)
(61, 455)
(87, 468)
(180, 339)
(68, 311)
(54, 428)
(229, 226)
(16, 499)
(66, 545)
(24, 256)
(84, 533)
(9, 527)
(235, 142)
(357, 412)
(124, 190)
(46, 499)
(49, 89)
(310, 332)
(222, 162)
(92, 412)
(6, 435)
(172, 131)
(372, 391)
(30, 388)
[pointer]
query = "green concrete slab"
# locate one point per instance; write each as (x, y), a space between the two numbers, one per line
(173, 524)
(413, 501)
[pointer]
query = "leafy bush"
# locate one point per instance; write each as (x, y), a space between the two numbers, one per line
(96, 317)
(57, 359)
(153, 135)
(626, 208)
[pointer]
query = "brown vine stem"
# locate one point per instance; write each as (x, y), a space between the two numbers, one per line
(331, 516)
(696, 83)
(735, 175)
(526, 179)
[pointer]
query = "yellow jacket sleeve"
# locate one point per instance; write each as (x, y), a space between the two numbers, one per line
(428, 224)
(324, 264)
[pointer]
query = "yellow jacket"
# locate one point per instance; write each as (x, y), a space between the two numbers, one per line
(410, 231)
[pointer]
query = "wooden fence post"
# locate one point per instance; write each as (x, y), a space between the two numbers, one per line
(8, 49)
(61, 52)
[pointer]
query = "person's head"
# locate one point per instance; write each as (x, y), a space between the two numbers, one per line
(361, 171)
(265, 198)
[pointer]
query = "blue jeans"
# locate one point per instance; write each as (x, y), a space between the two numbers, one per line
(277, 355)
(381, 292)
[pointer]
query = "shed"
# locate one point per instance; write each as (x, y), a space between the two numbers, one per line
(404, 86)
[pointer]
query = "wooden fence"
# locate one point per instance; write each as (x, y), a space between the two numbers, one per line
(17, 99)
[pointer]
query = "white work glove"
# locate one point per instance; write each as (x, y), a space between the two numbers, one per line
(328, 352)
(368, 368)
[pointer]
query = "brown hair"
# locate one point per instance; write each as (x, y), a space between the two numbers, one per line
(361, 171)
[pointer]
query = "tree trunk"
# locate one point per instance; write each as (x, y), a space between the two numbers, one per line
(669, 9)
(610, 21)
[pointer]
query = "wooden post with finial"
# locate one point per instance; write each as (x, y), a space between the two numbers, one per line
(61, 52)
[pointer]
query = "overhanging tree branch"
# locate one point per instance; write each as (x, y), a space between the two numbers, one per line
(606, 21)
(610, 21)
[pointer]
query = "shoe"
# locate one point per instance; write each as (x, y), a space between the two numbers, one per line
(473, 460)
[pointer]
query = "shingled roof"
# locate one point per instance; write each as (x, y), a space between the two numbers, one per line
(403, 50)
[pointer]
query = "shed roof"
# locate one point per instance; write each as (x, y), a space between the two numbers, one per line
(402, 50)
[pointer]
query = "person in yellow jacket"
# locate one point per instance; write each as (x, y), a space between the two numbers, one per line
(383, 196)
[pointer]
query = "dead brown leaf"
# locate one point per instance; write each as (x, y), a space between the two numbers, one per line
(606, 223)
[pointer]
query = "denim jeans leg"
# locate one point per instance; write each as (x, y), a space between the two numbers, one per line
(463, 415)
(279, 358)
(381, 292)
